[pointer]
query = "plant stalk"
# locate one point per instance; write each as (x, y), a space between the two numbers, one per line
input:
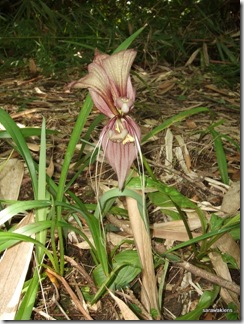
(149, 294)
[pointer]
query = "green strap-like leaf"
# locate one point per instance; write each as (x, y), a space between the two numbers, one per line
(21, 206)
(221, 157)
(129, 40)
(21, 145)
(206, 301)
(182, 115)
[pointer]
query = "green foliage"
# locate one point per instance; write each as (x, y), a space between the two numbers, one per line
(58, 37)
(170, 121)
(128, 264)
(228, 259)
(207, 299)
(232, 315)
(173, 196)
(220, 154)
(20, 145)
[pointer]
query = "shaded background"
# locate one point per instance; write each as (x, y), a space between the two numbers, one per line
(60, 34)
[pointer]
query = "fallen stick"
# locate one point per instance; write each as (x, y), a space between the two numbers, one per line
(210, 277)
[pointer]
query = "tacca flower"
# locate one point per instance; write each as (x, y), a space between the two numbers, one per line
(109, 84)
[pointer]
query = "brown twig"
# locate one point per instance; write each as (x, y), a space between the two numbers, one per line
(41, 313)
(71, 293)
(210, 277)
(121, 224)
(83, 272)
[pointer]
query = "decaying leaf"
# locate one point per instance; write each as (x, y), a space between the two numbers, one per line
(13, 269)
(175, 230)
(232, 200)
(226, 244)
(33, 147)
(222, 270)
(186, 154)
(192, 57)
(126, 312)
(205, 54)
(11, 175)
(50, 168)
(166, 86)
(168, 148)
(32, 66)
(179, 154)
(149, 293)
(113, 238)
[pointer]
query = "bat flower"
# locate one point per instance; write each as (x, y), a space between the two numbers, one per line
(110, 87)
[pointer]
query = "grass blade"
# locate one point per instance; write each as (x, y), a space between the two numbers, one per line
(42, 212)
(182, 115)
(207, 299)
(80, 122)
(22, 147)
(27, 132)
(221, 158)
(129, 40)
(27, 303)
(20, 207)
(9, 239)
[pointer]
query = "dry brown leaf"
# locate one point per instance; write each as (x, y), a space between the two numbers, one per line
(13, 269)
(175, 230)
(33, 147)
(150, 122)
(40, 92)
(215, 89)
(180, 157)
(232, 200)
(73, 296)
(113, 238)
(222, 270)
(32, 66)
(149, 293)
(192, 57)
(186, 154)
(168, 148)
(205, 54)
(173, 235)
(126, 312)
(50, 168)
(166, 86)
(11, 175)
(226, 244)
(191, 124)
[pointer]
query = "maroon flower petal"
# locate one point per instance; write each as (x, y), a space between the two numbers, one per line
(101, 104)
(120, 148)
(99, 57)
(117, 68)
(131, 93)
(109, 80)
